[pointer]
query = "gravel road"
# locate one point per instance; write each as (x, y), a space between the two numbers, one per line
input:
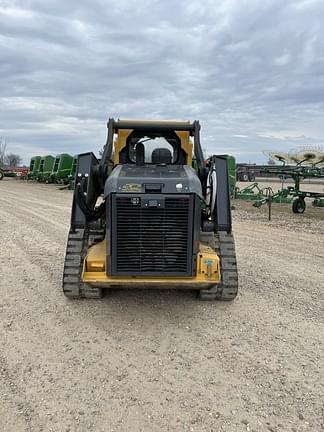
(160, 360)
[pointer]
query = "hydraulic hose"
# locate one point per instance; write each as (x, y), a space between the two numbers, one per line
(90, 214)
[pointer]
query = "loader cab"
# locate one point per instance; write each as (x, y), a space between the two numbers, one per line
(142, 147)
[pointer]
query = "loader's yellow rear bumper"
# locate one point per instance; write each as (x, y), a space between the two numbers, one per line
(95, 272)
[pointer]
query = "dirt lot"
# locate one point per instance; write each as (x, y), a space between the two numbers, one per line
(160, 360)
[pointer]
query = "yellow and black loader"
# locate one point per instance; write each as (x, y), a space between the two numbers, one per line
(151, 213)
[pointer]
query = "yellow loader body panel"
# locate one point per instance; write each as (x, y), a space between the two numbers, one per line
(96, 274)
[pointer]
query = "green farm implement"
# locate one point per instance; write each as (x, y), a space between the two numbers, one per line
(45, 168)
(318, 202)
(61, 169)
(231, 167)
(33, 168)
(297, 196)
(73, 171)
(70, 184)
(252, 192)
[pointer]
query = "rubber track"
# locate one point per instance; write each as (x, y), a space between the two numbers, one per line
(76, 250)
(223, 244)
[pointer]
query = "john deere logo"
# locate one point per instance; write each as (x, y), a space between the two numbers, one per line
(131, 187)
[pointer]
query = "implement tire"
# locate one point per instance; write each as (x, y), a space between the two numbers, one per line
(223, 244)
(299, 205)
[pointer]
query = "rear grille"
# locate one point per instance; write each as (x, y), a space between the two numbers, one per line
(152, 240)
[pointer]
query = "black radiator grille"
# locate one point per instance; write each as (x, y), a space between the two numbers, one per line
(152, 240)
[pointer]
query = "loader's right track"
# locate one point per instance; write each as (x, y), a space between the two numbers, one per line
(76, 249)
(223, 244)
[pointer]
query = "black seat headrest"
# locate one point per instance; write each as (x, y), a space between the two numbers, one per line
(161, 156)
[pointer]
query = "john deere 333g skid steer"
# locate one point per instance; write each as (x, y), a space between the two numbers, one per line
(151, 213)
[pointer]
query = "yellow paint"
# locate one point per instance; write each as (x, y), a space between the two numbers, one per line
(120, 143)
(96, 258)
(186, 145)
(94, 271)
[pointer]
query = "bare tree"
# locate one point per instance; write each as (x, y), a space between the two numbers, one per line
(3, 145)
(13, 160)
(271, 162)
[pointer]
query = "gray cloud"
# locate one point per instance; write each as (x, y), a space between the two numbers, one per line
(252, 72)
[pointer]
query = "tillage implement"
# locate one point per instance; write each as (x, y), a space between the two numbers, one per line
(152, 213)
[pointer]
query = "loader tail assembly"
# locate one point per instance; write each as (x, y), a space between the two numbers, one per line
(152, 213)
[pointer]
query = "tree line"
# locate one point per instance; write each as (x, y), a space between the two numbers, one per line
(11, 160)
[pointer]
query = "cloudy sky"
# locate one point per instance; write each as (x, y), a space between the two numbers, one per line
(251, 71)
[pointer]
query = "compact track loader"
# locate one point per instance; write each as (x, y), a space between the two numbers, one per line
(151, 213)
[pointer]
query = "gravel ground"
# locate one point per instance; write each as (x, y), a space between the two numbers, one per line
(160, 360)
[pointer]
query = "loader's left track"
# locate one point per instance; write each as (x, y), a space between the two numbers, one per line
(77, 246)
